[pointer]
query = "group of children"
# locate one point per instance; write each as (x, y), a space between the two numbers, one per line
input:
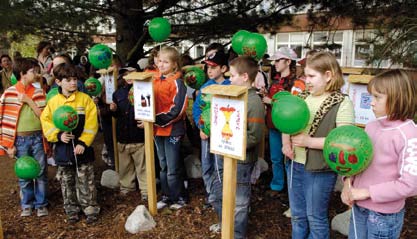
(377, 195)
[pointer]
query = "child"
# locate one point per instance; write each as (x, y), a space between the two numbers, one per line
(21, 132)
(73, 152)
(243, 71)
(378, 194)
(6, 72)
(130, 142)
(170, 106)
(216, 67)
(284, 59)
(310, 181)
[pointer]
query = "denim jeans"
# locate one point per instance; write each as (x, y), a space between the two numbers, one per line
(33, 192)
(172, 166)
(309, 196)
(375, 225)
(207, 164)
(243, 194)
(275, 148)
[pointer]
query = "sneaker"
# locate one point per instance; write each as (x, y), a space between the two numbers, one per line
(163, 203)
(144, 197)
(207, 205)
(216, 228)
(178, 204)
(91, 218)
(73, 218)
(42, 211)
(26, 212)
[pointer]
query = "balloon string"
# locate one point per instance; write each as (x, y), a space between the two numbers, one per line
(292, 169)
(75, 156)
(353, 213)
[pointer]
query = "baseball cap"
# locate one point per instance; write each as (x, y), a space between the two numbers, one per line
(218, 58)
(284, 53)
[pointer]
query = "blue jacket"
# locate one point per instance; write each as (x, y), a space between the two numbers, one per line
(197, 106)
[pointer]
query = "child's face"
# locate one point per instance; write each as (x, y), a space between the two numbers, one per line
(6, 63)
(165, 64)
(215, 72)
(315, 81)
(68, 85)
(379, 103)
(29, 77)
(236, 78)
(282, 64)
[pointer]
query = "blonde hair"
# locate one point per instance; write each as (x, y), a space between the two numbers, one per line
(326, 61)
(401, 91)
(245, 64)
(173, 55)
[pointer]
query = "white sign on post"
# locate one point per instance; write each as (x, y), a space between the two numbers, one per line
(228, 127)
(110, 87)
(143, 100)
(361, 100)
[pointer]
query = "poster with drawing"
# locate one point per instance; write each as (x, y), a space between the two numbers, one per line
(361, 100)
(109, 87)
(227, 127)
(144, 100)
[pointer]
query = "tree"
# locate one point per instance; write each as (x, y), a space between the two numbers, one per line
(69, 22)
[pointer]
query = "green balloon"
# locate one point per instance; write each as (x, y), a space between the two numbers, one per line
(100, 56)
(65, 118)
(237, 41)
(254, 45)
(52, 92)
(194, 77)
(27, 167)
(348, 150)
(131, 97)
(205, 120)
(290, 114)
(279, 95)
(13, 79)
(159, 29)
(93, 86)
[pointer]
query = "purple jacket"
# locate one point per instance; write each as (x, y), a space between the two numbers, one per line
(392, 175)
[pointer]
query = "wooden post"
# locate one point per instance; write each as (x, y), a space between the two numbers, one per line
(145, 111)
(229, 197)
(1, 230)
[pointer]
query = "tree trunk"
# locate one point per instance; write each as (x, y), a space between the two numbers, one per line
(129, 28)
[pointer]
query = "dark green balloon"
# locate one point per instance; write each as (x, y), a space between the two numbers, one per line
(159, 29)
(290, 114)
(27, 167)
(194, 77)
(237, 41)
(52, 92)
(279, 95)
(65, 118)
(100, 56)
(93, 86)
(254, 45)
(348, 150)
(13, 79)
(205, 118)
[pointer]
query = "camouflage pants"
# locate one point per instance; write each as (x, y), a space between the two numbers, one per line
(78, 191)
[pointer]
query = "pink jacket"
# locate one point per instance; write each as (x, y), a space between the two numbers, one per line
(392, 175)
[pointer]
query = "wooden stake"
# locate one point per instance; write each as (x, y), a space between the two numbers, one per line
(1, 230)
(150, 167)
(113, 122)
(229, 197)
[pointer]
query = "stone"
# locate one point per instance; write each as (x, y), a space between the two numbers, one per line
(193, 166)
(340, 222)
(110, 179)
(140, 220)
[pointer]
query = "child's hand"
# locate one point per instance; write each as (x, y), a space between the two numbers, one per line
(11, 152)
(301, 140)
(288, 151)
(79, 149)
(203, 135)
(140, 124)
(345, 196)
(113, 106)
(66, 137)
(266, 100)
(359, 194)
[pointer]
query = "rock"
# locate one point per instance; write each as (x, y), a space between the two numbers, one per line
(287, 213)
(260, 166)
(340, 222)
(193, 166)
(110, 179)
(140, 220)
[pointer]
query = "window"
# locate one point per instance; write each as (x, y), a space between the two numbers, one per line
(362, 49)
(329, 41)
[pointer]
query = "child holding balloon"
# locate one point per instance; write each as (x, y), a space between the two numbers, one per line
(378, 194)
(73, 152)
(21, 133)
(170, 106)
(310, 181)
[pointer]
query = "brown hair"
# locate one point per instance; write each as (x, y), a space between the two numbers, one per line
(326, 61)
(245, 64)
(65, 70)
(401, 91)
(173, 55)
(23, 65)
(42, 45)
